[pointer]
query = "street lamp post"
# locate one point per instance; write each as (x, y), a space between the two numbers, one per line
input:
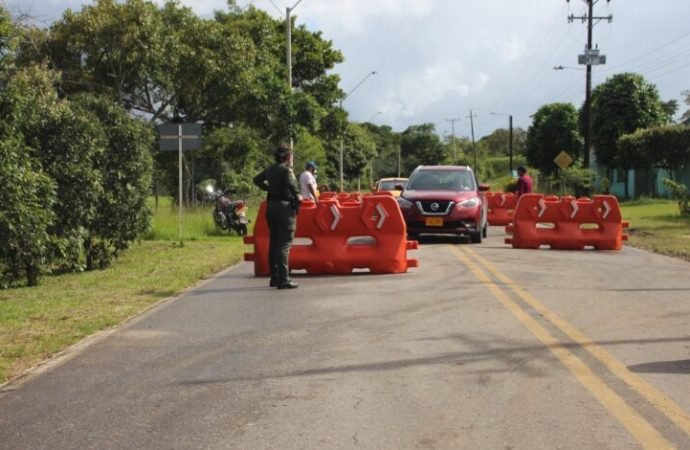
(510, 138)
(559, 67)
(373, 72)
(288, 49)
(374, 115)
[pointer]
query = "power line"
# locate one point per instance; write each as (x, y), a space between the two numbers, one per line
(543, 38)
(654, 51)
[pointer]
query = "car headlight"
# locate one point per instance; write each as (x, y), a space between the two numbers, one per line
(469, 203)
(404, 203)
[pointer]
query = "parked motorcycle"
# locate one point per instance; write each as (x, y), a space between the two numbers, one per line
(230, 214)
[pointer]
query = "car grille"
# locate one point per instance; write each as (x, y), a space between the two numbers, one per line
(443, 207)
(469, 224)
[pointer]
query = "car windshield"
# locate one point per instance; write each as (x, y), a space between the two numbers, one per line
(389, 185)
(442, 180)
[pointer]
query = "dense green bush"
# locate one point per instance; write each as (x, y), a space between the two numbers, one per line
(25, 213)
(74, 175)
(125, 170)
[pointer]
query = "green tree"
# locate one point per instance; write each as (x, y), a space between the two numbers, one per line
(622, 105)
(685, 119)
(359, 150)
(25, 213)
(124, 169)
(670, 109)
(65, 143)
(420, 145)
(8, 41)
(497, 143)
(385, 163)
(553, 129)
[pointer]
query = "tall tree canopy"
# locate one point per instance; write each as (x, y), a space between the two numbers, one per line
(622, 105)
(166, 62)
(420, 145)
(497, 143)
(554, 129)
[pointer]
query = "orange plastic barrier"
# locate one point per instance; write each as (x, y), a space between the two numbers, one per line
(501, 207)
(357, 233)
(567, 223)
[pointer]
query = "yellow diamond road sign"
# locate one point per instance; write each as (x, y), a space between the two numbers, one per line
(563, 160)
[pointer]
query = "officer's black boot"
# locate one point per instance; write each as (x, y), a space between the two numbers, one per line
(288, 285)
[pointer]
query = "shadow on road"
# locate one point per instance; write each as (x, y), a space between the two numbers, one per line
(506, 356)
(680, 367)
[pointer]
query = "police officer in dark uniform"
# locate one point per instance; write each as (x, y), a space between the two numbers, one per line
(281, 213)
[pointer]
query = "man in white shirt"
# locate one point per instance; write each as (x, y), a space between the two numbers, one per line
(307, 182)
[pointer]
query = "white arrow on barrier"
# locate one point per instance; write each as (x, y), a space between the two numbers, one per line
(607, 208)
(542, 206)
(576, 208)
(383, 214)
(503, 199)
(336, 217)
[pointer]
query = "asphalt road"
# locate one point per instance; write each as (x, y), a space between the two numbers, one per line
(481, 347)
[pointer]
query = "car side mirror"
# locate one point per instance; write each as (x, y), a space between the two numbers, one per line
(399, 187)
(484, 188)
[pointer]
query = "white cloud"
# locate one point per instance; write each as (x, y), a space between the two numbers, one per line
(510, 49)
(414, 92)
(344, 17)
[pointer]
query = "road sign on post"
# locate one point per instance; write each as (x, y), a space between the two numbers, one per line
(563, 160)
(172, 134)
(180, 137)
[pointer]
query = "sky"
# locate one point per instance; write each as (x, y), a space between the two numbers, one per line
(437, 60)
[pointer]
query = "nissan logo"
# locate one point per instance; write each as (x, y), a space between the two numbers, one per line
(434, 206)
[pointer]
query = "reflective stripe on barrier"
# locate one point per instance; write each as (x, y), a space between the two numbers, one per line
(567, 223)
(501, 207)
(344, 232)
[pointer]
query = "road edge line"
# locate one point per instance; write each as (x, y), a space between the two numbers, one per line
(674, 412)
(632, 420)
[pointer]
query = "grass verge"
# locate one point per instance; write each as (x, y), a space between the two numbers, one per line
(656, 225)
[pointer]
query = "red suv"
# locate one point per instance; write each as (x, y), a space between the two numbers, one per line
(444, 200)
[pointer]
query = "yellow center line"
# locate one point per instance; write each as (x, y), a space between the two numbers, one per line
(656, 398)
(642, 430)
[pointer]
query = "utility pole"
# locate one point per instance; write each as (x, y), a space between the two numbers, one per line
(452, 127)
(590, 58)
(474, 146)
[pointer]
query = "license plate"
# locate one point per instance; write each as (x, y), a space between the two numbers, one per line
(433, 221)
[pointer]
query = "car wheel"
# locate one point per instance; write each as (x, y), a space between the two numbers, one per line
(476, 238)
